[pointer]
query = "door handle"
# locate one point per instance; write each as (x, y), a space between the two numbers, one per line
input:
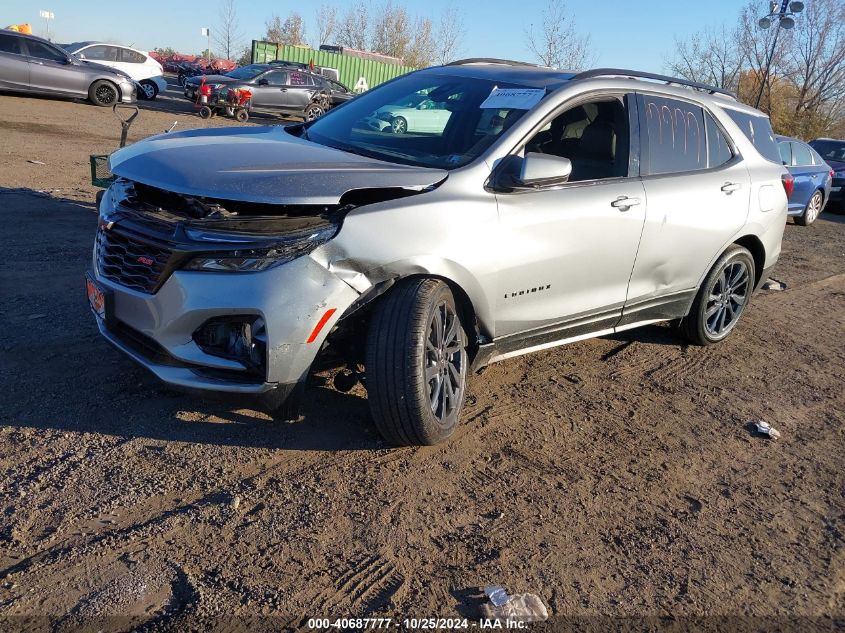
(623, 203)
(283, 89)
(730, 187)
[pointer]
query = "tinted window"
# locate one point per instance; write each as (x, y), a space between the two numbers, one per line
(594, 136)
(801, 155)
(718, 150)
(676, 136)
(300, 79)
(276, 78)
(830, 150)
(101, 53)
(785, 149)
(758, 130)
(131, 57)
(247, 72)
(10, 44)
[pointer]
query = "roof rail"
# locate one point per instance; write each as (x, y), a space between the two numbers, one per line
(621, 72)
(490, 60)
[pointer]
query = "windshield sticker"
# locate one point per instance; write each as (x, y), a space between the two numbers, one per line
(513, 98)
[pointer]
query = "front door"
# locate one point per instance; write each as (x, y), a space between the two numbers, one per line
(269, 91)
(567, 252)
(698, 193)
(51, 72)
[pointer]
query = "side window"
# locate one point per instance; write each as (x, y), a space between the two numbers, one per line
(101, 53)
(675, 135)
(276, 78)
(10, 44)
(785, 149)
(718, 149)
(801, 155)
(131, 57)
(758, 130)
(595, 136)
(300, 79)
(40, 50)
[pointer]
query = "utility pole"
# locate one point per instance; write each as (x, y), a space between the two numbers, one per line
(207, 32)
(785, 20)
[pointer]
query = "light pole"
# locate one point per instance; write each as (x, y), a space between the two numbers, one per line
(207, 32)
(785, 20)
(47, 15)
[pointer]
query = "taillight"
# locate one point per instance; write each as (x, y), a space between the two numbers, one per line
(788, 184)
(830, 174)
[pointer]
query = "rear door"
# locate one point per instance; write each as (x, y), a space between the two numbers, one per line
(50, 72)
(300, 89)
(697, 189)
(14, 65)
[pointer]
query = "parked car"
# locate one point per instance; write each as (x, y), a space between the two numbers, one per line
(33, 65)
(833, 153)
(275, 88)
(145, 70)
(426, 116)
(812, 176)
(550, 208)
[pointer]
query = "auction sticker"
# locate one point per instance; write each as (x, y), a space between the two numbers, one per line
(513, 98)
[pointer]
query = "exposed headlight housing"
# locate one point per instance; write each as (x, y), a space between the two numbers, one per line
(250, 260)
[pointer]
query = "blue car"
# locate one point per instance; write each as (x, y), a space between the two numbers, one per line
(813, 179)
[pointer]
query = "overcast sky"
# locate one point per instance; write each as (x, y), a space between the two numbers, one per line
(625, 34)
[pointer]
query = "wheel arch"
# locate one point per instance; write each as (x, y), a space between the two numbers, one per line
(758, 253)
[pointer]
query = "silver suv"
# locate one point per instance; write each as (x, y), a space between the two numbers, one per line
(531, 208)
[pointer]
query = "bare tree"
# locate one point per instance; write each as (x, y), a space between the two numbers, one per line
(450, 36)
(326, 21)
(557, 43)
(354, 28)
(392, 31)
(227, 36)
(290, 31)
(421, 50)
(814, 62)
(711, 56)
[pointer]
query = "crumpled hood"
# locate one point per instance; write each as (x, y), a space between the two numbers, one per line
(259, 164)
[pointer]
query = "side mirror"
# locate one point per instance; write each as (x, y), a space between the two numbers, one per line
(69, 60)
(263, 82)
(544, 170)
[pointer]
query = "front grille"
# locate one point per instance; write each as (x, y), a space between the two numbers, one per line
(130, 262)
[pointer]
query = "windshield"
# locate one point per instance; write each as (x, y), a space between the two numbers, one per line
(421, 119)
(246, 72)
(830, 150)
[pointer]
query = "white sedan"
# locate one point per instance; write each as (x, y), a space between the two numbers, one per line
(426, 117)
(146, 71)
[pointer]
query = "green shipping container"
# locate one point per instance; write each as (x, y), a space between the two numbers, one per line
(357, 73)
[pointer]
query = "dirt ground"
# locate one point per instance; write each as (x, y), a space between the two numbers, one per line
(613, 477)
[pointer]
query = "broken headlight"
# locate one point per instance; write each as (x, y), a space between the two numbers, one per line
(247, 260)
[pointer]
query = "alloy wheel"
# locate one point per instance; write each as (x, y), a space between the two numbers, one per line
(445, 362)
(814, 207)
(399, 125)
(149, 90)
(106, 94)
(727, 299)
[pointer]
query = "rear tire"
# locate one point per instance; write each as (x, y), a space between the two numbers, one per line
(416, 363)
(313, 111)
(103, 93)
(241, 116)
(205, 112)
(812, 211)
(721, 299)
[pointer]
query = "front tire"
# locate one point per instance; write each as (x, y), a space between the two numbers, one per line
(814, 208)
(103, 93)
(399, 125)
(416, 363)
(722, 298)
(314, 111)
(149, 90)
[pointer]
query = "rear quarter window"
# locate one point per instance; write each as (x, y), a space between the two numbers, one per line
(758, 130)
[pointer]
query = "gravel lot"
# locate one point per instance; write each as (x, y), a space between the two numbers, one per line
(613, 477)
